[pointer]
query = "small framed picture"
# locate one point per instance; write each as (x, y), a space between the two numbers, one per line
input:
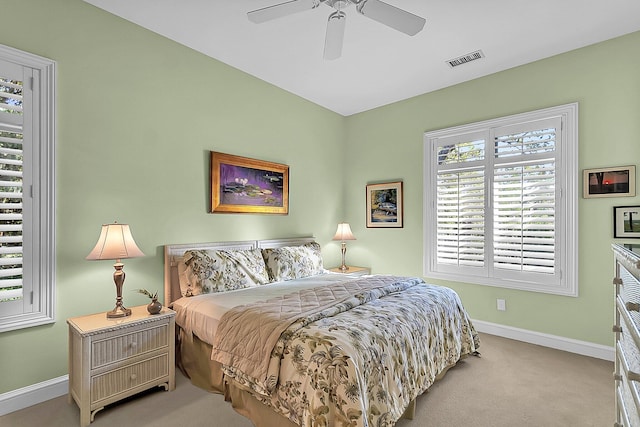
(384, 205)
(609, 182)
(626, 222)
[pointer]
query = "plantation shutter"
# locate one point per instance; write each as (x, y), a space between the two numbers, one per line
(12, 181)
(501, 202)
(27, 190)
(524, 198)
(496, 202)
(460, 217)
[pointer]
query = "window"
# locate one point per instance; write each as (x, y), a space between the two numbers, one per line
(27, 214)
(501, 202)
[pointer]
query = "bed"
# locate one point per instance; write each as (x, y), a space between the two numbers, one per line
(291, 344)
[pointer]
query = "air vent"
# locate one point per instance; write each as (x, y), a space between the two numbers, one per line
(465, 58)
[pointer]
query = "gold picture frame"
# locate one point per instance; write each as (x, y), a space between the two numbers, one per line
(244, 185)
(385, 205)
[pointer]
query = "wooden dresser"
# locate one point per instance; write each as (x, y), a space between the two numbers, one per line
(627, 364)
(110, 359)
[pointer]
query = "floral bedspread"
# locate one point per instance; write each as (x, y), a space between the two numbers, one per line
(362, 362)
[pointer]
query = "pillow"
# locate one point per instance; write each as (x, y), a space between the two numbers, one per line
(207, 271)
(293, 262)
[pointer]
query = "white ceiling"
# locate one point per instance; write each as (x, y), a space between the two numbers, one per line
(380, 65)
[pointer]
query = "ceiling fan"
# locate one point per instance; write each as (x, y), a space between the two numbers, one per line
(377, 10)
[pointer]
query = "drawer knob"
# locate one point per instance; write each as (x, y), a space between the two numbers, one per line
(617, 376)
(617, 281)
(616, 328)
(633, 306)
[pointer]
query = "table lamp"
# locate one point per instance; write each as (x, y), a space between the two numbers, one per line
(344, 233)
(116, 243)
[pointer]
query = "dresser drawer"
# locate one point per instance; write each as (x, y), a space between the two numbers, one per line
(114, 347)
(629, 342)
(623, 412)
(629, 403)
(129, 377)
(630, 292)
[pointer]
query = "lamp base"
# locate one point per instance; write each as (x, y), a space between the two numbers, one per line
(118, 277)
(344, 268)
(118, 311)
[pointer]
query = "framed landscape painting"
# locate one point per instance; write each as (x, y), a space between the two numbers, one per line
(384, 205)
(626, 222)
(244, 185)
(609, 182)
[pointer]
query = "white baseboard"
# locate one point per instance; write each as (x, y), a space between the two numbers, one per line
(37, 393)
(552, 341)
(31, 395)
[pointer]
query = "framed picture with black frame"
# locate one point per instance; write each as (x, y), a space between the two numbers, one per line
(626, 222)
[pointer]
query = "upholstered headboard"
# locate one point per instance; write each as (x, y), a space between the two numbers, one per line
(173, 253)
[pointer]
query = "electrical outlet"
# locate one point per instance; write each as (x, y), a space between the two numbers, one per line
(502, 305)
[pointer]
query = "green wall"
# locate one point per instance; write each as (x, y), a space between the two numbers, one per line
(137, 115)
(605, 80)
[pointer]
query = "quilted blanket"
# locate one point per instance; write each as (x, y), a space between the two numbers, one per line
(350, 354)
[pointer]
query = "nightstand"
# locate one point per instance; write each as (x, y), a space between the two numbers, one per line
(353, 271)
(110, 359)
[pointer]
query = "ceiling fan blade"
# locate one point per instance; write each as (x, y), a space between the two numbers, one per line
(279, 10)
(335, 35)
(391, 16)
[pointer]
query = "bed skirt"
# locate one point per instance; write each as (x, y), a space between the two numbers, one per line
(193, 358)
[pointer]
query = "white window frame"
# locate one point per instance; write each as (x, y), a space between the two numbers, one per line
(39, 251)
(565, 280)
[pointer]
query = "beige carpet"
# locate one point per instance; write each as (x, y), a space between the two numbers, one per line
(511, 384)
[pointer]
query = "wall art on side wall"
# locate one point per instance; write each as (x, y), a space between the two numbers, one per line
(243, 185)
(609, 182)
(626, 222)
(384, 205)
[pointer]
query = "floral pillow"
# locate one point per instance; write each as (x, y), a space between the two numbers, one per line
(208, 271)
(293, 262)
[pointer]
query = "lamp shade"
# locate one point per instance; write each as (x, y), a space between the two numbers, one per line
(115, 242)
(344, 232)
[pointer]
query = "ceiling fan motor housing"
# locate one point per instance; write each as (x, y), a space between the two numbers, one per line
(338, 4)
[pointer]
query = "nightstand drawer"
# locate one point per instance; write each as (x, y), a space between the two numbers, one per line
(129, 377)
(114, 347)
